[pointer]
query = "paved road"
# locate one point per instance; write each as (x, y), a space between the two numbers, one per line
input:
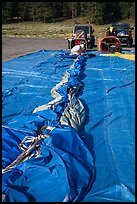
(15, 47)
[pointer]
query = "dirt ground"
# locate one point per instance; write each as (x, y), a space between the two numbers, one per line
(15, 47)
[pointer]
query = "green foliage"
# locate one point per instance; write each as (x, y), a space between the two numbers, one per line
(125, 8)
(24, 10)
(9, 10)
(111, 12)
(66, 10)
(132, 10)
(94, 12)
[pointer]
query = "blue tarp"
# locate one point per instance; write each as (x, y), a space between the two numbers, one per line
(95, 164)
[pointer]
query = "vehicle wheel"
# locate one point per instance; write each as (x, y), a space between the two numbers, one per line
(72, 44)
(130, 42)
(90, 46)
(129, 45)
(68, 44)
(92, 43)
(119, 48)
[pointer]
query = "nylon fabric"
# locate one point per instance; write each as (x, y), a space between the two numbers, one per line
(92, 160)
(65, 142)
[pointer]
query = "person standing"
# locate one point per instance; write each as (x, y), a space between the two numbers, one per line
(111, 31)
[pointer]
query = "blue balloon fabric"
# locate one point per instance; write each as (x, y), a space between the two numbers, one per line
(93, 163)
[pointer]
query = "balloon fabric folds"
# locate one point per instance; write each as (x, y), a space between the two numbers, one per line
(68, 127)
(60, 166)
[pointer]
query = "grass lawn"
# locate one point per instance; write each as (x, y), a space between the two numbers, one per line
(51, 30)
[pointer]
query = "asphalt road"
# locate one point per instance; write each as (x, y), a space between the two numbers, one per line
(15, 47)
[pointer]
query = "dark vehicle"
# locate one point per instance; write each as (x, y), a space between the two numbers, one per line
(124, 33)
(82, 34)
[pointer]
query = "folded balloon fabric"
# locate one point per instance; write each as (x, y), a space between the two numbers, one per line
(59, 167)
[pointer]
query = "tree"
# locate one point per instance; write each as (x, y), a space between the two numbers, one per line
(95, 12)
(111, 11)
(40, 11)
(66, 10)
(74, 9)
(24, 9)
(9, 10)
(125, 9)
(132, 10)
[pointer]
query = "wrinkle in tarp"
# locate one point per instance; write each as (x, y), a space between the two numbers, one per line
(107, 92)
(62, 154)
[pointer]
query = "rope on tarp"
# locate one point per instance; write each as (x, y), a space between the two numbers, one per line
(73, 115)
(67, 114)
(27, 151)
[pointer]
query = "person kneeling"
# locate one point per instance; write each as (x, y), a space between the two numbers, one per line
(77, 49)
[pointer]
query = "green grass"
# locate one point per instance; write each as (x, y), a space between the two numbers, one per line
(51, 30)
